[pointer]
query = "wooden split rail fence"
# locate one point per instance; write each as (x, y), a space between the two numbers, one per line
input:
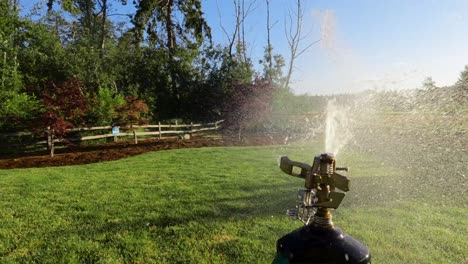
(156, 130)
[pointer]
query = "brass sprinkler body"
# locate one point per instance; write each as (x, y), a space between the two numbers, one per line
(321, 182)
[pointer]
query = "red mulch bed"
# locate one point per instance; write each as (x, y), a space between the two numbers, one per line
(84, 154)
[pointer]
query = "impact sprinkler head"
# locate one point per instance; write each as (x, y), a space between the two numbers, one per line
(319, 195)
(319, 241)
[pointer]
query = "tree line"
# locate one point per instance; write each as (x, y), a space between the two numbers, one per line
(70, 64)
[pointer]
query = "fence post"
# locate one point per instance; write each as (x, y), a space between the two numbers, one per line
(49, 144)
(191, 128)
(135, 139)
(52, 145)
(159, 127)
(50, 141)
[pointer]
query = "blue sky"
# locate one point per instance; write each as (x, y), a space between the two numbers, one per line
(365, 44)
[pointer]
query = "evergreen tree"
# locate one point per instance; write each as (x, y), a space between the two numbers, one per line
(429, 84)
(462, 83)
(16, 104)
(178, 26)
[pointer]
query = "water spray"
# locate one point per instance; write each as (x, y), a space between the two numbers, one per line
(319, 240)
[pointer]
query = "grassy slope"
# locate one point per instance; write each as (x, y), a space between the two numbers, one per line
(208, 205)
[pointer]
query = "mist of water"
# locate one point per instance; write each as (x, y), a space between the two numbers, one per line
(423, 133)
(337, 126)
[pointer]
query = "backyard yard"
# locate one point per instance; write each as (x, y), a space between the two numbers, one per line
(212, 205)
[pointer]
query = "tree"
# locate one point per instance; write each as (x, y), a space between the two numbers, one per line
(273, 70)
(16, 106)
(294, 36)
(462, 83)
(461, 89)
(42, 57)
(64, 107)
(88, 37)
(156, 16)
(428, 97)
(92, 17)
(180, 28)
(429, 84)
(241, 14)
(11, 79)
(104, 106)
(269, 48)
(9, 31)
(132, 112)
(249, 105)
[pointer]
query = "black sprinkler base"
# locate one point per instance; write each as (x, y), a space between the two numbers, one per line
(311, 244)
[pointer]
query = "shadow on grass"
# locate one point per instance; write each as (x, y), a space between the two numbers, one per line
(365, 192)
(89, 233)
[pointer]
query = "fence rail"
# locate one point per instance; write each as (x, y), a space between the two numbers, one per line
(158, 130)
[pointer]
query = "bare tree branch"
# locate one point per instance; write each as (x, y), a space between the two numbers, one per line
(294, 37)
(241, 11)
(230, 39)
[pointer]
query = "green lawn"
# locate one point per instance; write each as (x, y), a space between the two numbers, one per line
(212, 205)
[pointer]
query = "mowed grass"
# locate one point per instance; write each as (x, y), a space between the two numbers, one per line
(211, 205)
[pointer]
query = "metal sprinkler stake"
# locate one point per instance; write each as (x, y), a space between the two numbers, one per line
(319, 240)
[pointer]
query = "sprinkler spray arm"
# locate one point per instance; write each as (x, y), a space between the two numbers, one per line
(287, 165)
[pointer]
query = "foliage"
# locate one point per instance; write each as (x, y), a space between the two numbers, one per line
(462, 82)
(461, 89)
(179, 29)
(64, 106)
(132, 112)
(294, 113)
(163, 54)
(9, 24)
(42, 57)
(249, 104)
(17, 106)
(429, 84)
(155, 17)
(17, 111)
(211, 92)
(273, 67)
(104, 106)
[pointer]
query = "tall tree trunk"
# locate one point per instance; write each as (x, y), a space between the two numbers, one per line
(4, 66)
(244, 47)
(89, 19)
(15, 5)
(170, 28)
(170, 48)
(103, 28)
(269, 47)
(238, 22)
(15, 52)
(294, 37)
(293, 40)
